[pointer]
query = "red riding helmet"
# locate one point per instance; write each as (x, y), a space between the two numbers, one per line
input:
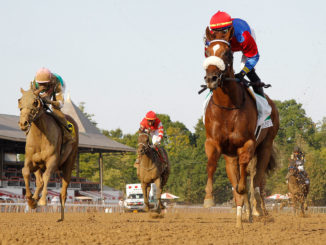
(150, 115)
(220, 20)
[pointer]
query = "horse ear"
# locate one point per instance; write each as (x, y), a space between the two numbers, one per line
(230, 33)
(37, 91)
(22, 90)
(209, 34)
(32, 87)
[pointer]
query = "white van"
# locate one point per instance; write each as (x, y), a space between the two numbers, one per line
(135, 197)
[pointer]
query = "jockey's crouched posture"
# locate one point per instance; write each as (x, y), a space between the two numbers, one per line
(52, 87)
(243, 39)
(297, 161)
(152, 123)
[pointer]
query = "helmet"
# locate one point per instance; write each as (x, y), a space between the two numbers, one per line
(150, 115)
(220, 20)
(43, 75)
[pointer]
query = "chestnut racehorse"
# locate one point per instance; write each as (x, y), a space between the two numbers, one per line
(230, 122)
(43, 151)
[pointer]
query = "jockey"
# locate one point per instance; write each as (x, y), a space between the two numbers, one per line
(52, 87)
(297, 161)
(152, 123)
(243, 39)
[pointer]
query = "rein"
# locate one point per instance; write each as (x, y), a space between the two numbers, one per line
(35, 115)
(221, 80)
(232, 108)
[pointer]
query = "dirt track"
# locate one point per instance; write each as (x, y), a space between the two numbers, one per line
(142, 228)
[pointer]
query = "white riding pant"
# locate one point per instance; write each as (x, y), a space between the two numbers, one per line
(155, 137)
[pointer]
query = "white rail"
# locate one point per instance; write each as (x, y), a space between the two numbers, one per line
(114, 208)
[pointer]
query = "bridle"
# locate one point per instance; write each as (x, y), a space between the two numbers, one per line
(36, 113)
(222, 77)
(146, 146)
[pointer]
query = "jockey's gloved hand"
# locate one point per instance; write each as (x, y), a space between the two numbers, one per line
(240, 75)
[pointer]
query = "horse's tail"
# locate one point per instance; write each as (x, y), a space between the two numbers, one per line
(273, 163)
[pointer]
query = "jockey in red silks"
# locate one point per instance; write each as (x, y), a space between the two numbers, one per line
(243, 40)
(152, 123)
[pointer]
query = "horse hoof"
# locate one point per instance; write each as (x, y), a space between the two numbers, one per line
(256, 213)
(32, 203)
(208, 203)
(59, 220)
(41, 202)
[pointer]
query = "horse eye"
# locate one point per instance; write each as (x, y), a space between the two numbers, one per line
(35, 103)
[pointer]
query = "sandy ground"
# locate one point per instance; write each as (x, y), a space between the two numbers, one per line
(170, 228)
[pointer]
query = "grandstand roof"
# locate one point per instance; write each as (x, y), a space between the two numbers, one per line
(12, 139)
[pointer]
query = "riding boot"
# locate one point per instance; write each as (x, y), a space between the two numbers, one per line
(67, 128)
(162, 153)
(256, 82)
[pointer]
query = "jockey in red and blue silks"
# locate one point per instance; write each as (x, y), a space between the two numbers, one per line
(243, 40)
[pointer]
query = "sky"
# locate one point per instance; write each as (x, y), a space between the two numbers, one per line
(126, 57)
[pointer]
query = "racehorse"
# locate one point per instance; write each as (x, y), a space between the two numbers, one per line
(230, 122)
(152, 169)
(44, 148)
(299, 189)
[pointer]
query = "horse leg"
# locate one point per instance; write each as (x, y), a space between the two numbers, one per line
(148, 190)
(213, 155)
(158, 195)
(39, 184)
(263, 158)
(66, 172)
(50, 167)
(233, 175)
(248, 208)
(26, 171)
(144, 188)
(66, 151)
(262, 196)
(245, 154)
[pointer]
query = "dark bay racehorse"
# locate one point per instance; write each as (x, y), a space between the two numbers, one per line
(230, 122)
(299, 190)
(44, 148)
(151, 169)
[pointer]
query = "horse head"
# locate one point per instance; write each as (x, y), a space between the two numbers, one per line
(219, 62)
(30, 106)
(143, 141)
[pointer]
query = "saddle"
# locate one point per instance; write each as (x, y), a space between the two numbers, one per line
(67, 130)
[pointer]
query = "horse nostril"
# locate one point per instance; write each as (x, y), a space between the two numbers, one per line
(214, 78)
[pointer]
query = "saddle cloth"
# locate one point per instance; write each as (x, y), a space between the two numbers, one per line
(263, 108)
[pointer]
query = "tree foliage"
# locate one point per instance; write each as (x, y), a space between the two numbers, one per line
(187, 156)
